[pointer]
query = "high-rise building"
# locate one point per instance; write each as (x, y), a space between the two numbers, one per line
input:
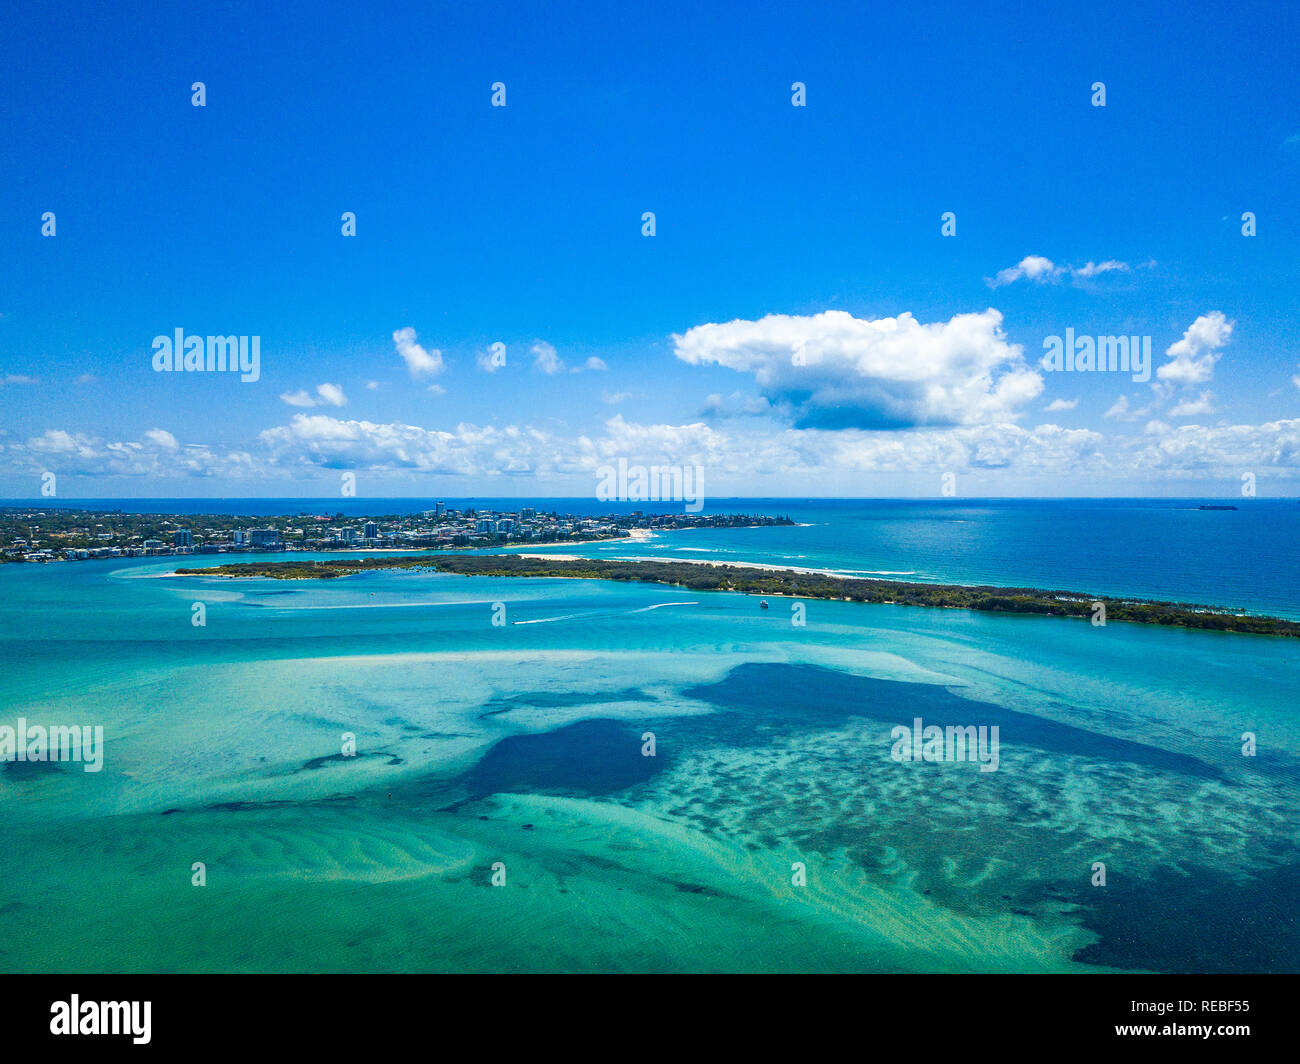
(182, 538)
(371, 530)
(442, 508)
(527, 513)
(348, 535)
(264, 537)
(505, 525)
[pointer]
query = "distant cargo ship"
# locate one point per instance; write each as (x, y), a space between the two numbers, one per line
(1208, 507)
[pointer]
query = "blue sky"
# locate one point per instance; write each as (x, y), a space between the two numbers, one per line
(776, 226)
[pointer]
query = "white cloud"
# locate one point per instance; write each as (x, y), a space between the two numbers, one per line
(331, 394)
(315, 443)
(1034, 268)
(545, 358)
(1061, 404)
(593, 365)
(419, 362)
(326, 395)
(832, 370)
(1040, 270)
(17, 378)
(1120, 410)
(161, 438)
(1193, 357)
(1194, 450)
(1093, 269)
(737, 404)
(1203, 404)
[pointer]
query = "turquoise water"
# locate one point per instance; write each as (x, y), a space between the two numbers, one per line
(522, 744)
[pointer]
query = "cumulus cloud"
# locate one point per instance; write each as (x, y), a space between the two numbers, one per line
(1061, 404)
(326, 395)
(545, 358)
(162, 438)
(419, 362)
(1122, 411)
(832, 370)
(1195, 450)
(312, 443)
(320, 441)
(592, 365)
(1034, 268)
(158, 455)
(1193, 357)
(1202, 404)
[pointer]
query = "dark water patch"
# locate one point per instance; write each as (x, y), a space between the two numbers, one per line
(1203, 920)
(328, 759)
(696, 888)
(26, 771)
(561, 700)
(245, 807)
(1272, 762)
(585, 759)
(774, 698)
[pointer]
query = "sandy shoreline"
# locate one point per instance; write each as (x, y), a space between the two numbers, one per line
(699, 561)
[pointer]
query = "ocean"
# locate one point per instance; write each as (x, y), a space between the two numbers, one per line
(411, 771)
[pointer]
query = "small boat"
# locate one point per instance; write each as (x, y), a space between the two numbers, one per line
(763, 604)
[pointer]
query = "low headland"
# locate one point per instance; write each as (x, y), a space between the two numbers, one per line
(784, 583)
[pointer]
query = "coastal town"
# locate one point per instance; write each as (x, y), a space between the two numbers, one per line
(55, 534)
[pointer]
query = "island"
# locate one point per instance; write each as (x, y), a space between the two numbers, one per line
(785, 583)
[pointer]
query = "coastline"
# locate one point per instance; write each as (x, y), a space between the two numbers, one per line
(785, 582)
